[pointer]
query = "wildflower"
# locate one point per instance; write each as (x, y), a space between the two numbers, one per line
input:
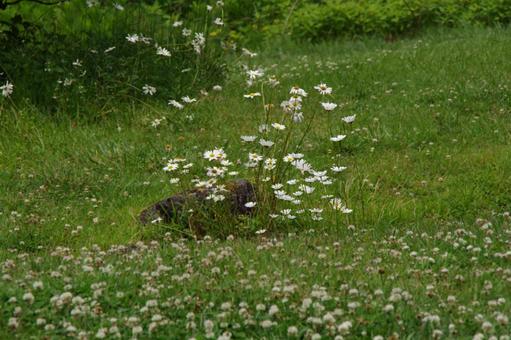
(218, 21)
(266, 143)
(217, 88)
(270, 163)
(273, 310)
(155, 123)
(298, 91)
(38, 285)
(337, 204)
(329, 106)
(252, 95)
(162, 51)
(248, 53)
(323, 89)
(118, 6)
(292, 331)
(273, 81)
(337, 138)
(263, 128)
(188, 100)
(186, 32)
(248, 138)
(176, 104)
(177, 24)
(133, 38)
(336, 168)
(101, 333)
(297, 117)
(171, 166)
(253, 157)
(28, 297)
(344, 328)
(266, 324)
(137, 330)
(215, 172)
(215, 155)
(253, 74)
(278, 126)
(7, 89)
(349, 119)
(148, 89)
(302, 165)
(13, 323)
(198, 42)
(260, 231)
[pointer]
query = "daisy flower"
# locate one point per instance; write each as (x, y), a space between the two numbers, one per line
(349, 119)
(176, 104)
(323, 89)
(298, 91)
(250, 204)
(329, 106)
(253, 74)
(278, 126)
(337, 138)
(7, 89)
(248, 138)
(163, 51)
(252, 95)
(336, 168)
(149, 90)
(266, 143)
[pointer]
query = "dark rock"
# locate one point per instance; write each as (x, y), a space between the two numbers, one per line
(238, 192)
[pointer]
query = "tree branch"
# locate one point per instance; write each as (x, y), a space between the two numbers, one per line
(4, 4)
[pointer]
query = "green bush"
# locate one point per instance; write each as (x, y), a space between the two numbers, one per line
(334, 18)
(75, 57)
(252, 21)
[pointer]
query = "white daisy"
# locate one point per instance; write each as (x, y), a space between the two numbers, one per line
(329, 106)
(337, 138)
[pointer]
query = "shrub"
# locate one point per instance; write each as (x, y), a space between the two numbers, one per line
(114, 53)
(334, 18)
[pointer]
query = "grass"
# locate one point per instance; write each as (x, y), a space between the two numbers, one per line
(428, 161)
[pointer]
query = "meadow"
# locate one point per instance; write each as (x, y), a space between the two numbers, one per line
(424, 253)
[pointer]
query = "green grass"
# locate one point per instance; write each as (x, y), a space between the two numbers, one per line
(428, 155)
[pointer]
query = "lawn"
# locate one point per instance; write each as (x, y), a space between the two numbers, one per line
(426, 252)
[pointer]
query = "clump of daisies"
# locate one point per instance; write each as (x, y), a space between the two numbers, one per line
(289, 188)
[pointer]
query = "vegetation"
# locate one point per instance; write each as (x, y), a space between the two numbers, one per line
(424, 253)
(62, 65)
